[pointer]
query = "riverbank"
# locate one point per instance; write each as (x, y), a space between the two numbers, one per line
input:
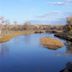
(64, 36)
(7, 37)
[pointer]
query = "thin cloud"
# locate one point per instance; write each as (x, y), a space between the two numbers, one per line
(68, 1)
(56, 3)
(60, 2)
(54, 15)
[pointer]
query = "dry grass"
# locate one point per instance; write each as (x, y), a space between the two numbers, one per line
(14, 34)
(51, 43)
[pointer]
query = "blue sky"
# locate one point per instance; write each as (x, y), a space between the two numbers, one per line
(23, 10)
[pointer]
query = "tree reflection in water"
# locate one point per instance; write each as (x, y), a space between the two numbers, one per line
(69, 47)
(3, 49)
(68, 67)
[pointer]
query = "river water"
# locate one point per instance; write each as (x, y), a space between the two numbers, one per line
(26, 54)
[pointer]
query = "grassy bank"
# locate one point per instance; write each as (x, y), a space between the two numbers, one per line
(7, 37)
(51, 43)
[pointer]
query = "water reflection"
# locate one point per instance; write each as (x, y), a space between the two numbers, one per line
(4, 49)
(64, 51)
(68, 47)
(26, 54)
(68, 67)
(27, 38)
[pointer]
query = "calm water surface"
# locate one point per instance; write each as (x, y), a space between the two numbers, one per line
(26, 54)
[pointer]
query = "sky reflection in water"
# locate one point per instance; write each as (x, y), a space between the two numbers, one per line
(25, 54)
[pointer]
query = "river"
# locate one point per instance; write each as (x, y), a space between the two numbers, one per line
(26, 54)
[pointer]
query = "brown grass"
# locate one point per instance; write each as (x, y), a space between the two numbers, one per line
(12, 35)
(51, 42)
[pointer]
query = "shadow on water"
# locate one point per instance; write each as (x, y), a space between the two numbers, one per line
(4, 49)
(68, 67)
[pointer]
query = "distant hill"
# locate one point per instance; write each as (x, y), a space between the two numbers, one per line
(61, 21)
